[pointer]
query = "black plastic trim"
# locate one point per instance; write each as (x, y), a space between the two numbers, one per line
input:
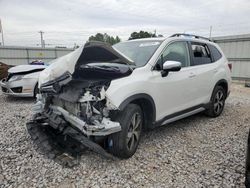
(139, 96)
(220, 82)
(159, 122)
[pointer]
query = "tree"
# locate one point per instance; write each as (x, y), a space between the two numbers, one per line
(141, 34)
(105, 38)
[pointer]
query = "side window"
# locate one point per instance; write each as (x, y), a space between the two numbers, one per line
(215, 53)
(201, 54)
(177, 51)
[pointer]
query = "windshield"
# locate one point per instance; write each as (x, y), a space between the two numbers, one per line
(138, 51)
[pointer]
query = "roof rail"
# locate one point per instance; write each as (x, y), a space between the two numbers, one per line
(189, 35)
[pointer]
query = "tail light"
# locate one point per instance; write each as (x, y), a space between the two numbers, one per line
(230, 66)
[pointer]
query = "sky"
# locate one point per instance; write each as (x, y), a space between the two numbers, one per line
(69, 22)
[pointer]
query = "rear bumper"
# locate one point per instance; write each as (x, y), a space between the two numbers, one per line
(25, 88)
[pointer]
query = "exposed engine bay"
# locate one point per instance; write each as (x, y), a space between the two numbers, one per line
(72, 92)
(82, 103)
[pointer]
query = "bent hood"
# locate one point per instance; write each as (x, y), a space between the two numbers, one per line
(92, 53)
(26, 68)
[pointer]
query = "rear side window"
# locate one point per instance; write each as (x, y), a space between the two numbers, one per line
(215, 53)
(201, 54)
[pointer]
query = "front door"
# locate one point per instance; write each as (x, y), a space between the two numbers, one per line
(175, 92)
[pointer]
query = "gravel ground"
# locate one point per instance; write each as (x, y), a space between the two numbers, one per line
(194, 152)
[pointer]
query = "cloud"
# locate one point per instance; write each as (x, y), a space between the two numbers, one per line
(68, 22)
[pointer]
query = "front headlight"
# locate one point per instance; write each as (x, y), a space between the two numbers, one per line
(15, 78)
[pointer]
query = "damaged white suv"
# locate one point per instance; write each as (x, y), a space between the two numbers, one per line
(104, 96)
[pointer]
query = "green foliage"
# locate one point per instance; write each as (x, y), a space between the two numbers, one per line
(105, 38)
(141, 34)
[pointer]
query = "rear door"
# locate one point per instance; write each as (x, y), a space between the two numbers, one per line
(204, 69)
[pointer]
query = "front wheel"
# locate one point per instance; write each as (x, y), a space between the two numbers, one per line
(124, 143)
(217, 102)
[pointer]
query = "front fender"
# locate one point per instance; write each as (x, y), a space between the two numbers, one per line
(121, 89)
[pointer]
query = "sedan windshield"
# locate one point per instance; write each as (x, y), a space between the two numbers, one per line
(138, 51)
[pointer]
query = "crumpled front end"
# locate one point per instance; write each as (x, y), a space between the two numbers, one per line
(72, 99)
(84, 108)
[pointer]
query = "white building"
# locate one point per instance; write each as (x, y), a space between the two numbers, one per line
(13, 55)
(237, 50)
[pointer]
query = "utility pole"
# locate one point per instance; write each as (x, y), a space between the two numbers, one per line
(210, 32)
(42, 41)
(1, 30)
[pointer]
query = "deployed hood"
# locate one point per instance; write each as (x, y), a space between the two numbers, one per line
(26, 68)
(95, 57)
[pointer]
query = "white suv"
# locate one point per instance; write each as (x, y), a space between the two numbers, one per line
(104, 96)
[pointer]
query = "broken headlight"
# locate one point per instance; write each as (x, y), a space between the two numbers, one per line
(16, 78)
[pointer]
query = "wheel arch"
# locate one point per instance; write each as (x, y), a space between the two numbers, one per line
(147, 105)
(223, 83)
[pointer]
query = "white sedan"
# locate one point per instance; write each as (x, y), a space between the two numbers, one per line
(22, 80)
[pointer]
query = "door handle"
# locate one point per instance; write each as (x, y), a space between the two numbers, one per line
(215, 70)
(191, 75)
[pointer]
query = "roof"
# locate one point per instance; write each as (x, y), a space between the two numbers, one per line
(175, 36)
(148, 39)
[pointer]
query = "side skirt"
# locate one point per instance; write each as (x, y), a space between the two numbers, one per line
(180, 115)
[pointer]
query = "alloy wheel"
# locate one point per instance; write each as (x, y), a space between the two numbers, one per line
(219, 102)
(134, 131)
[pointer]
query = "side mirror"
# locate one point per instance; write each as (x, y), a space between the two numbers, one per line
(170, 66)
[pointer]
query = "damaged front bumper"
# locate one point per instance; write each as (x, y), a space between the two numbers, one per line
(55, 143)
(103, 128)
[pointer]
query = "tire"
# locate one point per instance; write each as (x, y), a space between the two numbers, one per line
(124, 143)
(217, 102)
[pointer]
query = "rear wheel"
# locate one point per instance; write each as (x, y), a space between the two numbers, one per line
(217, 102)
(124, 143)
